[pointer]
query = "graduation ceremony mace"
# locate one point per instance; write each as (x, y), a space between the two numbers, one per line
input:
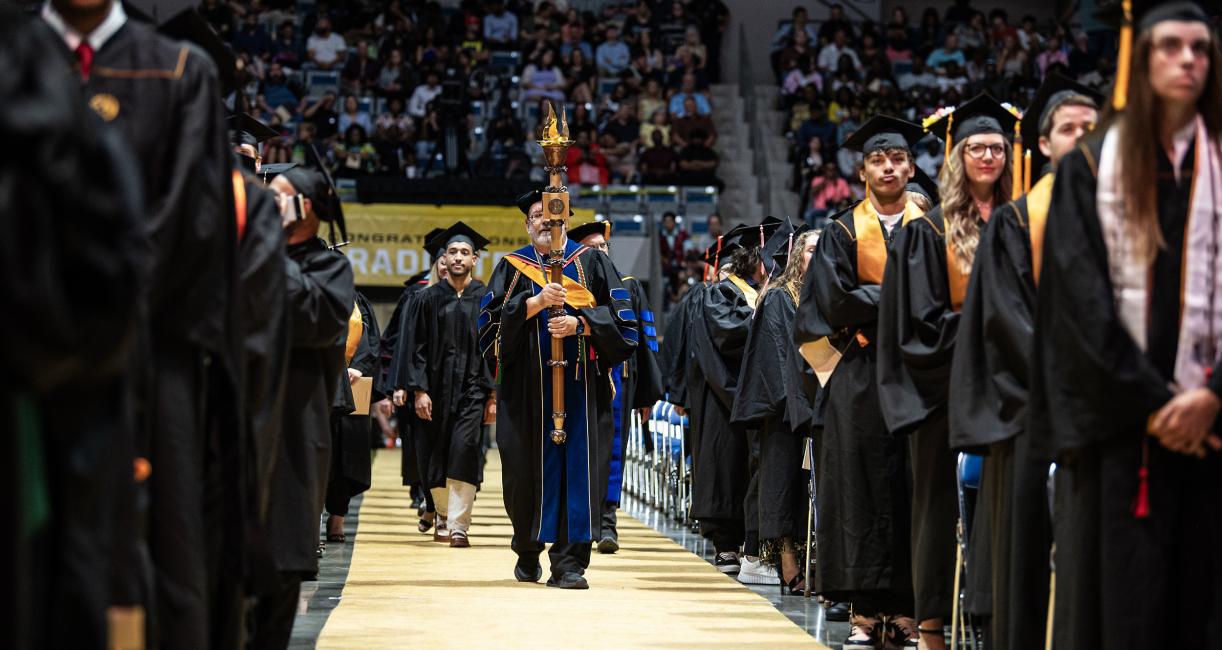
(555, 142)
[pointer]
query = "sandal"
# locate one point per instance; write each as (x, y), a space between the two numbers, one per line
(334, 535)
(426, 522)
(794, 587)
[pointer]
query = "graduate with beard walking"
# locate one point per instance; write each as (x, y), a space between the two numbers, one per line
(1127, 360)
(861, 470)
(990, 374)
(448, 385)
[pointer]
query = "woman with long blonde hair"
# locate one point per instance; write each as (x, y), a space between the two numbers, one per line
(771, 398)
(923, 288)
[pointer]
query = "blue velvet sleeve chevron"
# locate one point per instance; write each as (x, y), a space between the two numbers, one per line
(614, 328)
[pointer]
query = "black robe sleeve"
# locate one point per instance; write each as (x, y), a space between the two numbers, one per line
(763, 380)
(726, 319)
(368, 353)
(419, 314)
(1089, 380)
(321, 296)
(647, 376)
(614, 326)
(989, 372)
(676, 347)
(502, 319)
(916, 327)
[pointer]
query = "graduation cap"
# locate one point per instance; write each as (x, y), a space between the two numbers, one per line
(980, 114)
(780, 257)
(884, 132)
(1145, 14)
(922, 184)
(777, 241)
(245, 129)
(594, 227)
(430, 246)
(459, 232)
(270, 171)
(750, 235)
(720, 252)
(1052, 94)
(530, 198)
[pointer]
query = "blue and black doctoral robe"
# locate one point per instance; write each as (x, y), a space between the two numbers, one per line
(546, 484)
(638, 384)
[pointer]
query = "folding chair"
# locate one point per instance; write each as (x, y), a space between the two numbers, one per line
(964, 633)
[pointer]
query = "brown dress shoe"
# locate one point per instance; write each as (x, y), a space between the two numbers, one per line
(458, 539)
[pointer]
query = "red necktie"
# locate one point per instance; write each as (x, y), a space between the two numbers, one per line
(84, 56)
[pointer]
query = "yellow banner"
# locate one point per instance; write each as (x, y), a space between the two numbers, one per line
(387, 239)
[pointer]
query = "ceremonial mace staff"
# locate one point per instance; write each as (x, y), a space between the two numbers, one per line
(555, 142)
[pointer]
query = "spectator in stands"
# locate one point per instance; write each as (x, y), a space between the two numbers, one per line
(325, 48)
(803, 74)
(542, 78)
(612, 56)
(715, 229)
(581, 121)
(959, 12)
(918, 78)
(647, 60)
(678, 101)
(572, 38)
(650, 100)
(799, 22)
(354, 115)
(545, 19)
(219, 15)
(640, 20)
(429, 50)
(590, 168)
(581, 78)
(672, 242)
(1029, 37)
(692, 46)
(360, 72)
(354, 156)
(285, 48)
(827, 190)
(424, 95)
(672, 27)
(657, 124)
(930, 34)
(818, 126)
(697, 162)
(829, 56)
(1080, 59)
(427, 137)
(657, 162)
(252, 37)
(395, 77)
(952, 78)
(1052, 54)
(323, 116)
(390, 146)
(972, 35)
(681, 65)
(812, 162)
(473, 38)
(396, 116)
(277, 91)
(796, 53)
(949, 52)
(500, 27)
(1011, 60)
(618, 139)
(690, 121)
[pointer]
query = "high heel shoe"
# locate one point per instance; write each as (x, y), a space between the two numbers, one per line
(794, 587)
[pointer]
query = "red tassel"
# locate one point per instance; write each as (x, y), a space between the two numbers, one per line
(1141, 504)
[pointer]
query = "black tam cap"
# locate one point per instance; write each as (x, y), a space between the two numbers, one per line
(586, 229)
(922, 184)
(245, 129)
(884, 132)
(1052, 94)
(459, 232)
(528, 199)
(980, 114)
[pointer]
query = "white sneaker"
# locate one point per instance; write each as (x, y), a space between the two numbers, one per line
(755, 571)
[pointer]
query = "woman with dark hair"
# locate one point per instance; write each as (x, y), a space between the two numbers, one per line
(918, 315)
(1127, 363)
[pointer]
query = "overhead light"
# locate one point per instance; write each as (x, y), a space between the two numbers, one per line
(634, 188)
(638, 218)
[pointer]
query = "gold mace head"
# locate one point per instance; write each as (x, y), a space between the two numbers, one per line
(554, 135)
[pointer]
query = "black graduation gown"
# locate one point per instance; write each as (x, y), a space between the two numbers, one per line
(444, 361)
(396, 340)
(765, 387)
(676, 347)
(990, 373)
(351, 456)
(70, 276)
(164, 97)
(1092, 390)
(860, 469)
(321, 296)
(540, 507)
(720, 456)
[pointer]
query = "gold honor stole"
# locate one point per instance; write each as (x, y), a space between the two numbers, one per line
(1038, 201)
(956, 280)
(871, 244)
(576, 295)
(356, 329)
(748, 290)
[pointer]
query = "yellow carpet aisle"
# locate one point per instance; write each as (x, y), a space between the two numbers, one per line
(406, 591)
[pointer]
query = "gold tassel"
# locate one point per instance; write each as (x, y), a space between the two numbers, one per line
(1016, 188)
(1120, 92)
(1027, 172)
(950, 126)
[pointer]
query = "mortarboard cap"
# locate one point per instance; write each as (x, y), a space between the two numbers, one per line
(921, 183)
(586, 229)
(980, 114)
(459, 232)
(269, 171)
(749, 235)
(780, 256)
(430, 246)
(1055, 90)
(245, 129)
(884, 132)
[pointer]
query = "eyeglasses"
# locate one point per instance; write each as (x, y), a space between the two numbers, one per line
(977, 151)
(1172, 46)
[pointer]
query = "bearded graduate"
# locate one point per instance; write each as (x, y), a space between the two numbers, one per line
(1126, 373)
(863, 515)
(720, 454)
(638, 386)
(770, 393)
(990, 374)
(558, 500)
(923, 290)
(448, 386)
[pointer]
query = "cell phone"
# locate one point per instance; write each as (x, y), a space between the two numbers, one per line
(292, 207)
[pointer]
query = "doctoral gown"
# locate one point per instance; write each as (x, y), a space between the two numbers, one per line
(351, 456)
(1120, 578)
(990, 373)
(546, 484)
(321, 296)
(861, 471)
(444, 361)
(396, 340)
(163, 96)
(767, 385)
(720, 456)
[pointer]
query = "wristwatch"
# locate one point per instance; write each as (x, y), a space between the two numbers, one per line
(581, 327)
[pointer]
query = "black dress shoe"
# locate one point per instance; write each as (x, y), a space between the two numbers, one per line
(837, 613)
(527, 573)
(568, 580)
